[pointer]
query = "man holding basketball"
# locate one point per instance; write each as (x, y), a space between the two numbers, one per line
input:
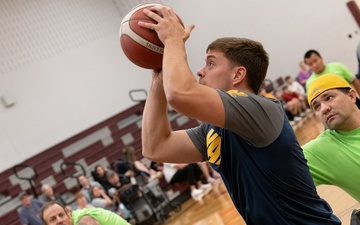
(245, 137)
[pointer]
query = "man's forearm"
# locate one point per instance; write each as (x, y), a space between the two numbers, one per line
(155, 122)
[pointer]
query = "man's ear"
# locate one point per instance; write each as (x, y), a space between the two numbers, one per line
(352, 94)
(239, 75)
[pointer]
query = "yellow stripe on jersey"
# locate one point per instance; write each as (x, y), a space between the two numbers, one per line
(213, 143)
(235, 93)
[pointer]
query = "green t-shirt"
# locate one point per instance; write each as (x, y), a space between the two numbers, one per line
(334, 68)
(334, 159)
(103, 216)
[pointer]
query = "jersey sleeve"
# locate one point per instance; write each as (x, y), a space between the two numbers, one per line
(256, 119)
(198, 137)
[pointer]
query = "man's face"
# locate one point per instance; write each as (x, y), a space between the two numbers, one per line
(217, 72)
(114, 179)
(25, 200)
(48, 191)
(81, 201)
(333, 108)
(315, 63)
(83, 181)
(56, 215)
(97, 191)
(289, 80)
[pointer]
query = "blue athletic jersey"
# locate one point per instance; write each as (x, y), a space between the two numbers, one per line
(262, 163)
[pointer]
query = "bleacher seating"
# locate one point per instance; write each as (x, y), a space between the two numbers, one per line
(100, 144)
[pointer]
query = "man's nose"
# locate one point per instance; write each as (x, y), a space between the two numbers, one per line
(200, 73)
(325, 108)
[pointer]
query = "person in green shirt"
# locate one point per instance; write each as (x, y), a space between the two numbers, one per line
(313, 59)
(334, 156)
(55, 213)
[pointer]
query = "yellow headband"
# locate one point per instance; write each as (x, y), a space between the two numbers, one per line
(324, 83)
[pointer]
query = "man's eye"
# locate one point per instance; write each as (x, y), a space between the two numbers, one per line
(316, 107)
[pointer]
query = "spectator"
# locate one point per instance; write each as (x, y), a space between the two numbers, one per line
(29, 212)
(289, 96)
(116, 182)
(294, 86)
(100, 176)
(81, 201)
(303, 75)
(313, 59)
(54, 213)
(120, 207)
(135, 167)
(100, 199)
(292, 108)
(85, 185)
(49, 195)
(175, 173)
(245, 137)
(334, 156)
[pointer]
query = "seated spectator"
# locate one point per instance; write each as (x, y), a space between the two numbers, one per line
(289, 96)
(100, 176)
(303, 74)
(55, 213)
(100, 199)
(85, 185)
(81, 201)
(120, 207)
(29, 210)
(292, 108)
(175, 173)
(135, 167)
(49, 195)
(294, 86)
(115, 181)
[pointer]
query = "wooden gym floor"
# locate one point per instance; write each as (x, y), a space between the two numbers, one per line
(218, 208)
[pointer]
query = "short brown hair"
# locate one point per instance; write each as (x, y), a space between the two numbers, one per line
(247, 53)
(78, 195)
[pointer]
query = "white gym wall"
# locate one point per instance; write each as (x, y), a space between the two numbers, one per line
(63, 68)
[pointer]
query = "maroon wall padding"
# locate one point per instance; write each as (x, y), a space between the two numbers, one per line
(355, 11)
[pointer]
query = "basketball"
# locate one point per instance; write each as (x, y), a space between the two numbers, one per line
(141, 45)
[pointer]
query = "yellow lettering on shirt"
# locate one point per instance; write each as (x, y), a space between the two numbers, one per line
(213, 143)
(235, 93)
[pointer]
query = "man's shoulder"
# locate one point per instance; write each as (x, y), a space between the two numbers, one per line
(319, 142)
(336, 68)
(335, 64)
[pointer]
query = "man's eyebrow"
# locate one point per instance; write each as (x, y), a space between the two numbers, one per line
(321, 96)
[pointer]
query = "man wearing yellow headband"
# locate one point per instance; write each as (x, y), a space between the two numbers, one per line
(334, 156)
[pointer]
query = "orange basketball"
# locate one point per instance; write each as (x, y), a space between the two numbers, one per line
(141, 45)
